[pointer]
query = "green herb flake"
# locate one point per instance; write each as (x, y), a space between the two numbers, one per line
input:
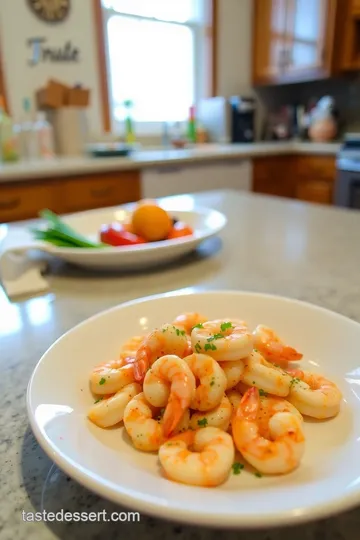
(262, 393)
(209, 347)
(102, 381)
(295, 380)
(255, 350)
(203, 422)
(258, 474)
(180, 332)
(212, 381)
(200, 325)
(97, 400)
(237, 467)
(215, 336)
(197, 347)
(225, 326)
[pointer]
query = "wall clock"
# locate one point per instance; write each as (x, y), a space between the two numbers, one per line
(51, 11)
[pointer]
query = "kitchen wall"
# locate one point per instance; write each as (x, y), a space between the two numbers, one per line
(234, 47)
(18, 24)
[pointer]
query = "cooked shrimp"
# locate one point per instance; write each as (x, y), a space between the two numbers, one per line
(234, 397)
(272, 348)
(129, 349)
(143, 428)
(313, 395)
(110, 411)
(187, 321)
(208, 462)
(223, 340)
(264, 375)
(278, 454)
(232, 372)
(212, 385)
(165, 340)
(110, 377)
(170, 382)
(218, 417)
(270, 405)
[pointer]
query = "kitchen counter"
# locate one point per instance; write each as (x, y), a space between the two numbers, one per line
(155, 158)
(297, 250)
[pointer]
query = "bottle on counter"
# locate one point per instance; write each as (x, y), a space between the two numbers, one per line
(191, 133)
(9, 140)
(44, 134)
(28, 142)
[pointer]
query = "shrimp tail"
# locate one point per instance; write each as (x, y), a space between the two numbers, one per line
(296, 373)
(173, 413)
(186, 436)
(249, 405)
(140, 365)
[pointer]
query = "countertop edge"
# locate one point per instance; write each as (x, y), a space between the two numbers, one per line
(78, 166)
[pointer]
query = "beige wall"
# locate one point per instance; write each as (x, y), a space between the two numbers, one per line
(18, 24)
(234, 47)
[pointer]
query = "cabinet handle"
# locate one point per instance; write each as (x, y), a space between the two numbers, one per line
(99, 193)
(10, 205)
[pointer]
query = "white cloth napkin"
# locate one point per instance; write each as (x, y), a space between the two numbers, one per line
(20, 267)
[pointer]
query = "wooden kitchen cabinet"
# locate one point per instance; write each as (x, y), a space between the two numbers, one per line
(270, 17)
(274, 176)
(83, 193)
(304, 43)
(312, 190)
(24, 200)
(307, 178)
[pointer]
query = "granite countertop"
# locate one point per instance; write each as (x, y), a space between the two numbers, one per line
(158, 158)
(272, 245)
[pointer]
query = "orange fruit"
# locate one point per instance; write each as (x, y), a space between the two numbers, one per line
(151, 222)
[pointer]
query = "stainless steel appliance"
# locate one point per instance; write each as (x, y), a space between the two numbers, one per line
(347, 185)
(228, 120)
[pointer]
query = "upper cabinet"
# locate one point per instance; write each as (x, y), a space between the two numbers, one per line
(294, 40)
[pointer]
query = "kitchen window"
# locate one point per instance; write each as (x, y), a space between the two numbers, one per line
(158, 56)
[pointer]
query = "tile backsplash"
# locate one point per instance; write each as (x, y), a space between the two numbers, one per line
(346, 92)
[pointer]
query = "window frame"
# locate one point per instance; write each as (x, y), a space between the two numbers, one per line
(205, 46)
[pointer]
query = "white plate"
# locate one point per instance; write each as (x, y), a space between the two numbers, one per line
(205, 222)
(328, 479)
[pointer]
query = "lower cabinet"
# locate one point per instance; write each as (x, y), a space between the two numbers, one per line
(307, 178)
(24, 200)
(163, 181)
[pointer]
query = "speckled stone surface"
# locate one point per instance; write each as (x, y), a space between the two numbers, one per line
(302, 251)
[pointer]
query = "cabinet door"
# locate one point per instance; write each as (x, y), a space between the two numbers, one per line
(165, 181)
(270, 18)
(306, 36)
(318, 191)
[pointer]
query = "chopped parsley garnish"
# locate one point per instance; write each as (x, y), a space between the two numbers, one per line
(295, 380)
(97, 400)
(258, 474)
(102, 381)
(197, 347)
(237, 467)
(255, 350)
(253, 382)
(203, 422)
(209, 347)
(262, 392)
(215, 336)
(180, 332)
(225, 325)
(199, 325)
(212, 381)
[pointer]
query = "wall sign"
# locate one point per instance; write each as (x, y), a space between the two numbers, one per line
(41, 52)
(51, 11)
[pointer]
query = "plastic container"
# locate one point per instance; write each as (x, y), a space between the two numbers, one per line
(28, 142)
(44, 134)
